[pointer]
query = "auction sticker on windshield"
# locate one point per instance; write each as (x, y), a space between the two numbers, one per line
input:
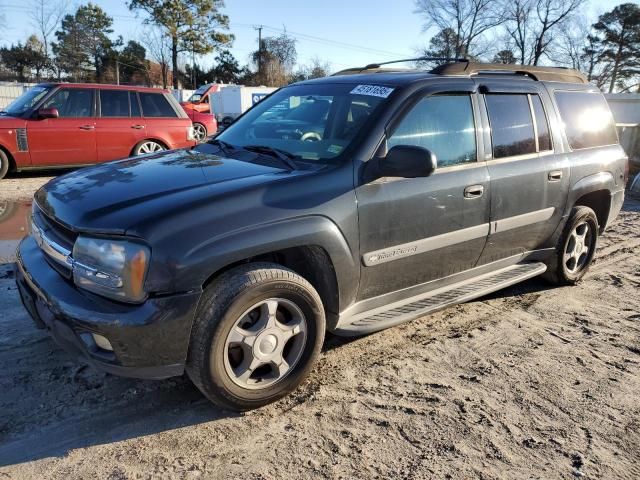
(372, 90)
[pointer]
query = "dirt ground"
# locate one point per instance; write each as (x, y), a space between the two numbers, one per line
(531, 382)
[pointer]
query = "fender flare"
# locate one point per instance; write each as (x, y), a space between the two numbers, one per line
(588, 184)
(314, 230)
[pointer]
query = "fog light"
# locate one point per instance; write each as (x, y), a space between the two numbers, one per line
(102, 342)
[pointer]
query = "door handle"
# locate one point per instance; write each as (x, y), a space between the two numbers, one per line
(473, 191)
(137, 127)
(87, 127)
(555, 175)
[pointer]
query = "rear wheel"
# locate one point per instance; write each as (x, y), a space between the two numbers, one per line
(257, 333)
(200, 132)
(575, 249)
(4, 164)
(148, 146)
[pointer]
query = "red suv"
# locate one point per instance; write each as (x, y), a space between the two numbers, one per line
(78, 124)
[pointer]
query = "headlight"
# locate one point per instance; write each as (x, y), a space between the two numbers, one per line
(112, 268)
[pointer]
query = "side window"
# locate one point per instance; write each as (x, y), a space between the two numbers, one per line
(443, 124)
(588, 122)
(542, 124)
(72, 102)
(114, 103)
(135, 106)
(511, 125)
(155, 105)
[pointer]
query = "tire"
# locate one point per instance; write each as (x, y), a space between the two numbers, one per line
(200, 132)
(563, 269)
(148, 146)
(236, 341)
(4, 164)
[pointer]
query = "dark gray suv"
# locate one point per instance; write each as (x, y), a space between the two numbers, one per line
(404, 193)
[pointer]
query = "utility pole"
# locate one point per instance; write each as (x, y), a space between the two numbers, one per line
(259, 29)
(117, 72)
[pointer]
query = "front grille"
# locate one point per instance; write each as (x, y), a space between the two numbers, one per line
(55, 240)
(21, 139)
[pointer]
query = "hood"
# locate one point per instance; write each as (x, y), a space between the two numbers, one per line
(7, 121)
(114, 197)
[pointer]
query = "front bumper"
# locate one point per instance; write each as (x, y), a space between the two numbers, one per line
(149, 340)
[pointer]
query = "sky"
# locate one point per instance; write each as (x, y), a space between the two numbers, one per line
(345, 33)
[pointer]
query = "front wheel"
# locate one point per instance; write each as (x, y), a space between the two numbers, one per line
(257, 333)
(575, 249)
(199, 132)
(148, 146)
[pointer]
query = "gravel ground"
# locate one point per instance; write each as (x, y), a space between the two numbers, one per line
(531, 382)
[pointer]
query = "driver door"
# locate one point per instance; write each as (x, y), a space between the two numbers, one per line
(414, 230)
(69, 139)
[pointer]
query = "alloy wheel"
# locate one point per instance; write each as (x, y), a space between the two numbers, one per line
(199, 132)
(150, 147)
(578, 247)
(265, 343)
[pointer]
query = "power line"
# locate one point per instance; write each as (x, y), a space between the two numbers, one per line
(322, 40)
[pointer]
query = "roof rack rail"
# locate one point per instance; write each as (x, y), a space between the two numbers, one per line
(554, 74)
(376, 66)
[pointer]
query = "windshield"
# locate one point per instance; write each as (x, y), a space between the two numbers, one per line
(26, 101)
(197, 95)
(311, 122)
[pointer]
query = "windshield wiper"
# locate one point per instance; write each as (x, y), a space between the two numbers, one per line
(224, 147)
(282, 155)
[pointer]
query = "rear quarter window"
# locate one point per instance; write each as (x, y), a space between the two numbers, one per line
(587, 120)
(156, 105)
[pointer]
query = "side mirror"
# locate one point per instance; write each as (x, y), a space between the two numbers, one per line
(407, 161)
(48, 113)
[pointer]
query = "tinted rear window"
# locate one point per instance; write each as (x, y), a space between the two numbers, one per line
(156, 105)
(587, 119)
(511, 125)
(114, 103)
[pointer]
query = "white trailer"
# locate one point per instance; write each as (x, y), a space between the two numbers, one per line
(232, 101)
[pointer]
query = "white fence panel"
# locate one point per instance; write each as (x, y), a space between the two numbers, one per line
(9, 91)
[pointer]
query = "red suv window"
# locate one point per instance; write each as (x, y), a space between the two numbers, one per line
(72, 102)
(114, 103)
(156, 105)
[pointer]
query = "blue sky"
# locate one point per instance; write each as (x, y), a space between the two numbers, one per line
(343, 32)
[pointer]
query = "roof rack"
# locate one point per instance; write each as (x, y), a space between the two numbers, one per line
(377, 66)
(554, 74)
(466, 67)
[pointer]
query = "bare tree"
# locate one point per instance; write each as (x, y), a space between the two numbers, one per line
(536, 25)
(468, 20)
(159, 48)
(569, 48)
(518, 26)
(45, 17)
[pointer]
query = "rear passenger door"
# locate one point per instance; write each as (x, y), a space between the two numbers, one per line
(119, 126)
(163, 121)
(529, 179)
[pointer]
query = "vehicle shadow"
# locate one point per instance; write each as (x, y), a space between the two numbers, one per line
(52, 172)
(52, 402)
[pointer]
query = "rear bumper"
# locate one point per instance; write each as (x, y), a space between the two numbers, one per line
(149, 340)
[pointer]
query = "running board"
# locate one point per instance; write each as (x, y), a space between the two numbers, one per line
(425, 303)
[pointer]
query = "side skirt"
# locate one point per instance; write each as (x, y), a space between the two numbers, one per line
(428, 302)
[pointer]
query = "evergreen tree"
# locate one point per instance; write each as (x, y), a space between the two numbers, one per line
(619, 37)
(193, 26)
